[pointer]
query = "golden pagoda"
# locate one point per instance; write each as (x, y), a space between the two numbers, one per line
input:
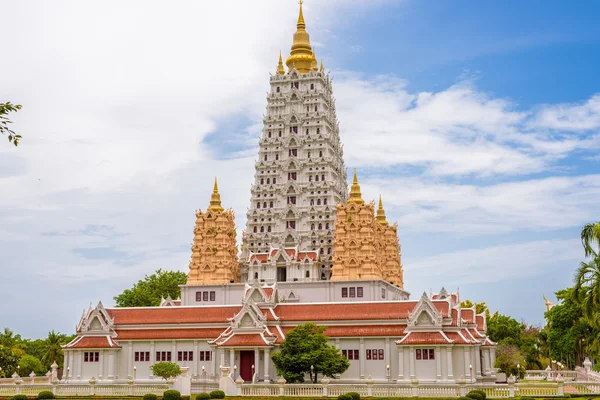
(214, 251)
(302, 56)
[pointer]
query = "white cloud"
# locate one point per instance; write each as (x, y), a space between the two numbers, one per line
(571, 117)
(457, 131)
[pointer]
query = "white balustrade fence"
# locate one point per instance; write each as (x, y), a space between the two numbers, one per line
(84, 389)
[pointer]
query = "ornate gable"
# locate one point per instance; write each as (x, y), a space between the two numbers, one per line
(424, 316)
(97, 320)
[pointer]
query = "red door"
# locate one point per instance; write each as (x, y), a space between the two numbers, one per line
(246, 362)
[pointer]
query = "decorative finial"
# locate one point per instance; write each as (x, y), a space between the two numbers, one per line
(302, 52)
(381, 214)
(280, 69)
(215, 199)
(315, 64)
(355, 195)
(322, 67)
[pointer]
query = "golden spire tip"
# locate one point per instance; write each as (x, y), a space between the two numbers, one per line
(216, 188)
(355, 182)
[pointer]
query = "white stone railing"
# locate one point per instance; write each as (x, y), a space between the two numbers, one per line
(84, 389)
(541, 374)
(416, 389)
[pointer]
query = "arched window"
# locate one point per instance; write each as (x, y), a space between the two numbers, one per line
(276, 157)
(318, 131)
(325, 201)
(312, 86)
(262, 229)
(278, 89)
(321, 251)
(329, 250)
(320, 154)
(307, 131)
(318, 202)
(269, 228)
(254, 229)
(323, 177)
(257, 205)
(268, 181)
(320, 227)
(256, 275)
(316, 107)
(269, 134)
(274, 181)
(265, 204)
(310, 178)
(279, 133)
(312, 227)
(327, 225)
(262, 181)
(312, 202)
(317, 178)
(307, 274)
(309, 154)
(271, 205)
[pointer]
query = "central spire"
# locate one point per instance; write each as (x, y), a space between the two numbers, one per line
(355, 194)
(215, 199)
(381, 214)
(302, 56)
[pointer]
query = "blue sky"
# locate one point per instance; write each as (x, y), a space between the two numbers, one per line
(478, 122)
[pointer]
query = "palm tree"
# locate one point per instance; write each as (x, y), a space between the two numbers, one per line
(587, 288)
(53, 351)
(13, 342)
(590, 235)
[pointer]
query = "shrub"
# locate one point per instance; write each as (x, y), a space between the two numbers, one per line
(150, 396)
(217, 394)
(172, 395)
(474, 395)
(481, 392)
(19, 397)
(203, 396)
(354, 395)
(344, 397)
(185, 397)
(46, 394)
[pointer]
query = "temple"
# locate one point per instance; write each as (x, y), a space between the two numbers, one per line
(311, 252)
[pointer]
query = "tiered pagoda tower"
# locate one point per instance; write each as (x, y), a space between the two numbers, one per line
(366, 246)
(214, 251)
(300, 173)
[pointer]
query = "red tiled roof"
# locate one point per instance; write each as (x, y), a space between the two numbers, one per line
(424, 338)
(268, 291)
(476, 333)
(344, 311)
(454, 314)
(456, 337)
(141, 334)
(260, 257)
(244, 340)
(467, 315)
(310, 254)
(362, 330)
(172, 315)
(93, 342)
(480, 322)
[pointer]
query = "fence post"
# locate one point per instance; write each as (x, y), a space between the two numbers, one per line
(511, 386)
(325, 382)
(130, 382)
(561, 385)
(462, 387)
(281, 382)
(369, 386)
(415, 387)
(54, 385)
(18, 382)
(93, 382)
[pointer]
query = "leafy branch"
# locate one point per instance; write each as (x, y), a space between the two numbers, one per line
(6, 108)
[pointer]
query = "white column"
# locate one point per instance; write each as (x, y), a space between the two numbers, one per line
(80, 357)
(361, 357)
(400, 363)
(467, 357)
(411, 362)
(129, 360)
(101, 365)
(388, 358)
(111, 372)
(67, 354)
(232, 359)
(449, 363)
(195, 368)
(438, 363)
(486, 361)
(492, 352)
(256, 362)
(267, 361)
(174, 351)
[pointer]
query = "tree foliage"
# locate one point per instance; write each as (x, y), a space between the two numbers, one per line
(8, 361)
(166, 370)
(29, 364)
(306, 346)
(508, 358)
(5, 109)
(479, 307)
(149, 291)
